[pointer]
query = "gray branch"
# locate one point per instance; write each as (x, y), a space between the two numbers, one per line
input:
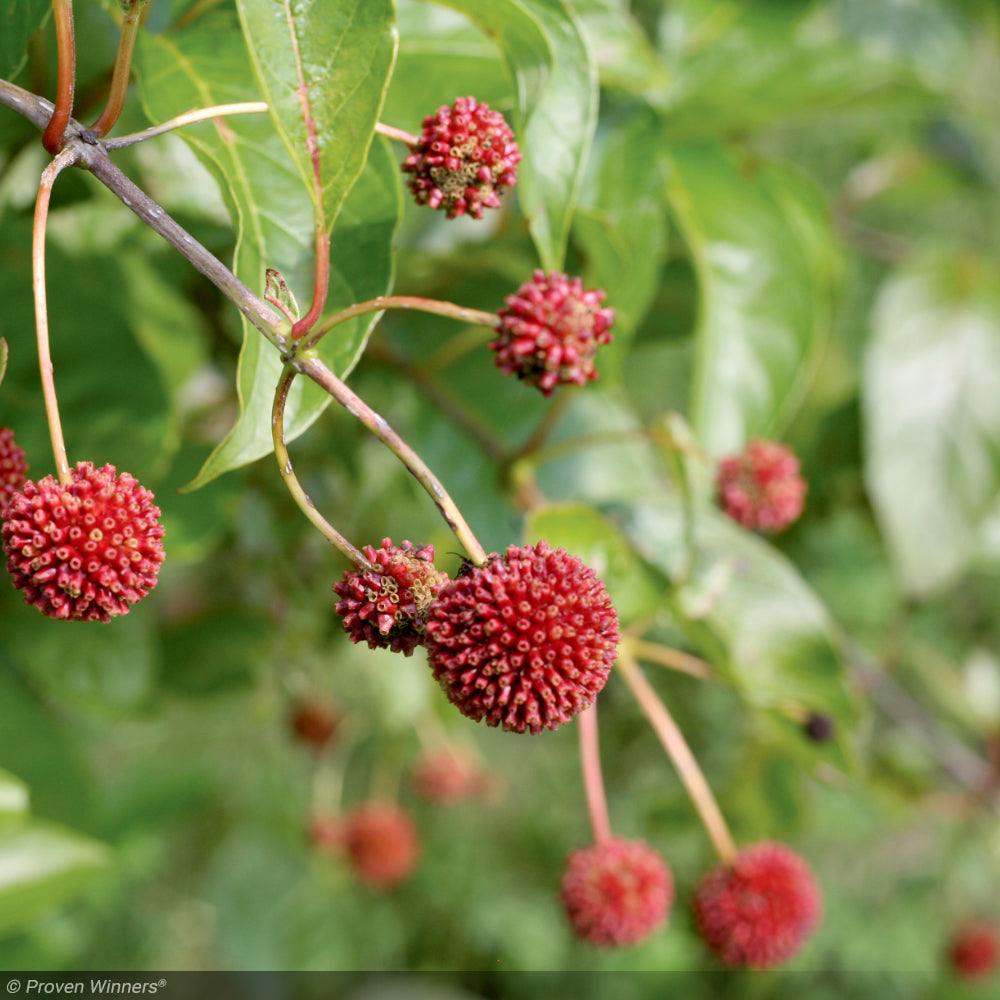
(93, 156)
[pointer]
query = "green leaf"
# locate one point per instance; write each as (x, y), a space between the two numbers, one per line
(624, 56)
(41, 866)
(547, 56)
(109, 671)
(931, 404)
(621, 228)
(19, 20)
(767, 264)
(441, 55)
(749, 613)
(335, 58)
(586, 533)
(13, 799)
(272, 213)
(112, 401)
(740, 82)
(172, 332)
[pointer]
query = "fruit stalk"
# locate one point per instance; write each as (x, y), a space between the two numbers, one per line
(312, 367)
(449, 309)
(593, 781)
(64, 159)
(680, 754)
(123, 67)
(291, 481)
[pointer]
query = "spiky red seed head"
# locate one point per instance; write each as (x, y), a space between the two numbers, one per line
(550, 330)
(313, 722)
(86, 551)
(758, 911)
(974, 948)
(616, 892)
(386, 606)
(13, 467)
(382, 843)
(761, 488)
(524, 642)
(465, 158)
(448, 775)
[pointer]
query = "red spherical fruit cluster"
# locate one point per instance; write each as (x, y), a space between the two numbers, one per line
(759, 910)
(446, 775)
(464, 159)
(975, 948)
(550, 331)
(314, 722)
(387, 606)
(616, 892)
(382, 843)
(524, 642)
(13, 468)
(761, 488)
(86, 551)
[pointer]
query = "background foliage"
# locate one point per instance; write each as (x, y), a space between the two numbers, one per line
(793, 208)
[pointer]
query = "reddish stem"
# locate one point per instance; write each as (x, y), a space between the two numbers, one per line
(322, 281)
(680, 753)
(449, 309)
(123, 67)
(62, 12)
(593, 781)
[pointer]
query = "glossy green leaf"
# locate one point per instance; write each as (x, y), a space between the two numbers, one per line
(931, 394)
(740, 83)
(441, 55)
(41, 866)
(547, 56)
(19, 20)
(323, 66)
(624, 56)
(587, 534)
(272, 213)
(13, 798)
(621, 228)
(748, 611)
(599, 452)
(766, 261)
(107, 672)
(112, 399)
(171, 331)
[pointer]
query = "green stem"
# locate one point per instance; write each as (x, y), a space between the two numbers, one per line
(291, 481)
(62, 13)
(123, 67)
(680, 753)
(593, 782)
(312, 367)
(449, 309)
(62, 160)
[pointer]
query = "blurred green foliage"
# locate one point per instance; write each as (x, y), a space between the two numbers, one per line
(793, 207)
